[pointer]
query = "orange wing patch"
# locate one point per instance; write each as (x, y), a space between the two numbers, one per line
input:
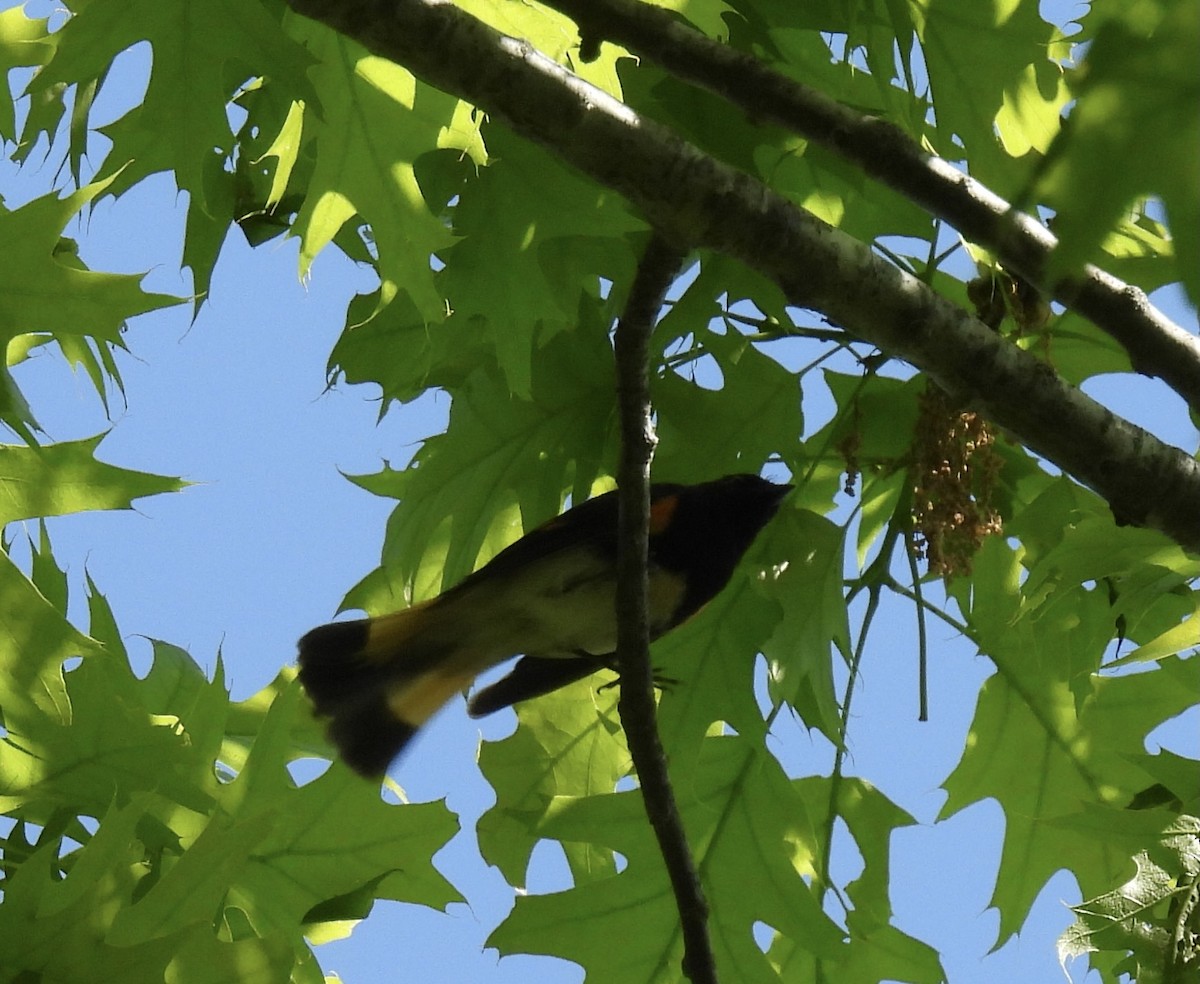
(661, 513)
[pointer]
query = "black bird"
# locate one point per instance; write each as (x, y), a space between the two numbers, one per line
(549, 596)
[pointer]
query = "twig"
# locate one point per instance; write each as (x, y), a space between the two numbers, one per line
(837, 776)
(1156, 345)
(918, 599)
(658, 267)
(922, 636)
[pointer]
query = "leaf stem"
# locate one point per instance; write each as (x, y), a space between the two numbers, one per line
(922, 637)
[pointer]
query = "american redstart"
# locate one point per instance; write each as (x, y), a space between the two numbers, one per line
(550, 597)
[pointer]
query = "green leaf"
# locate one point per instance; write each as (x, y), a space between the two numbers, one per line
(839, 193)
(1078, 350)
(751, 838)
(1008, 87)
(201, 53)
(24, 41)
(885, 954)
(876, 950)
(508, 273)
(326, 838)
(499, 451)
(1137, 88)
(62, 928)
(872, 818)
(1143, 916)
(880, 497)
(176, 687)
(55, 929)
(1092, 548)
(95, 358)
(712, 658)
(375, 120)
(554, 34)
(111, 745)
(1173, 641)
(1080, 734)
(183, 852)
(64, 478)
(35, 640)
(335, 918)
(193, 888)
(45, 574)
(205, 959)
(1178, 775)
(875, 419)
(568, 743)
(245, 720)
(44, 289)
(432, 356)
(755, 413)
(720, 288)
(207, 224)
(814, 625)
(275, 129)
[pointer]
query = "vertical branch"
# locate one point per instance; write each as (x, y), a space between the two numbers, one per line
(657, 269)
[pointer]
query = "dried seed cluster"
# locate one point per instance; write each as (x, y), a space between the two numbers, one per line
(954, 469)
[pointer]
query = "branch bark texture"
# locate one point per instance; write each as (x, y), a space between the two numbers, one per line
(658, 268)
(691, 198)
(1156, 345)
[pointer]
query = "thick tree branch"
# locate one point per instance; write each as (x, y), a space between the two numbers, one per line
(691, 198)
(1156, 345)
(658, 268)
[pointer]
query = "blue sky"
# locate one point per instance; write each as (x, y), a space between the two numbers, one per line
(271, 536)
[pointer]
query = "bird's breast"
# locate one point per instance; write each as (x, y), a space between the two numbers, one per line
(565, 606)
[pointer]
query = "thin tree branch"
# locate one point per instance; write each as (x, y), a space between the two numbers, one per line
(1156, 345)
(658, 268)
(692, 198)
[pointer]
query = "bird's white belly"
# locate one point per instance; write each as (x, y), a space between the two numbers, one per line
(578, 619)
(563, 605)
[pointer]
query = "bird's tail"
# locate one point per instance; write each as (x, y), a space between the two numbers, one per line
(379, 679)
